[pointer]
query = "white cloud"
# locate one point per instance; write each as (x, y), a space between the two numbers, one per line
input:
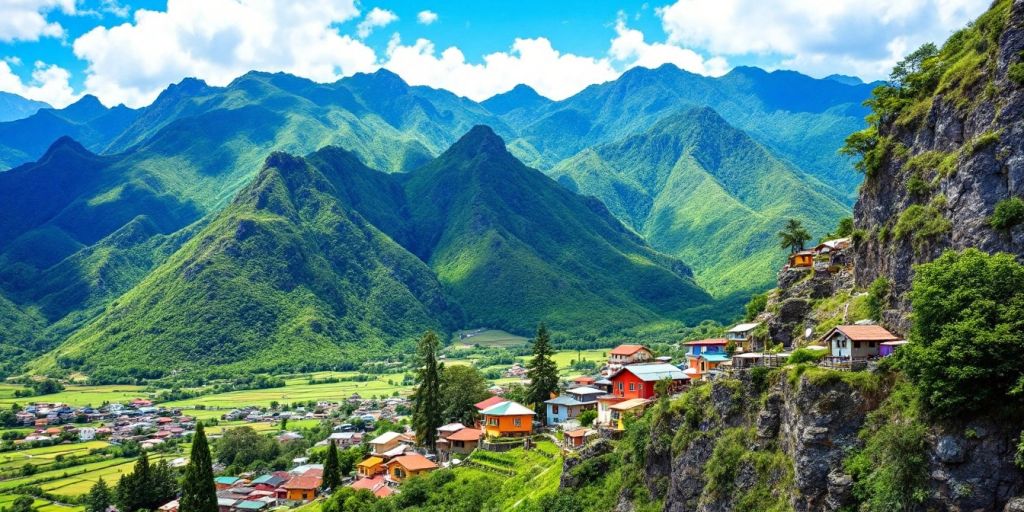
(116, 8)
(376, 18)
(426, 17)
(25, 20)
(863, 37)
(629, 47)
(530, 61)
(218, 40)
(49, 83)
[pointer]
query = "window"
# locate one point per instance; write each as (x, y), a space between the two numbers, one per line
(620, 386)
(632, 386)
(399, 473)
(517, 422)
(492, 422)
(856, 344)
(554, 409)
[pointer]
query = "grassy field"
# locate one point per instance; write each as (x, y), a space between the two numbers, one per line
(40, 505)
(535, 474)
(46, 455)
(83, 395)
(299, 390)
(487, 338)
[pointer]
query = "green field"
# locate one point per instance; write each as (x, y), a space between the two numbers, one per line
(487, 338)
(40, 505)
(299, 390)
(83, 395)
(46, 455)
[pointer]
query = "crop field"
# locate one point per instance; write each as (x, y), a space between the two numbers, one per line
(83, 395)
(46, 455)
(39, 506)
(299, 390)
(487, 338)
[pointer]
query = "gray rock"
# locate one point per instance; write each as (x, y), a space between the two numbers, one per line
(949, 450)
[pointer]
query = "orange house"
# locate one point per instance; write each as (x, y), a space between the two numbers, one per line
(802, 259)
(302, 488)
(508, 419)
(370, 467)
(409, 465)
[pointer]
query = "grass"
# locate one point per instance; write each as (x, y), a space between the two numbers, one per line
(298, 390)
(535, 475)
(84, 395)
(488, 338)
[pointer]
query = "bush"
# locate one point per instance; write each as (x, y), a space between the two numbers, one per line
(1007, 214)
(1016, 73)
(806, 355)
(587, 417)
(878, 297)
(755, 306)
(923, 222)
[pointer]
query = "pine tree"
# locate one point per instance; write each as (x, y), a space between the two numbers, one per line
(198, 492)
(99, 498)
(426, 416)
(332, 469)
(133, 491)
(542, 371)
(164, 486)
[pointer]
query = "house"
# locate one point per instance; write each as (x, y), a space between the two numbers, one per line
(86, 434)
(269, 482)
(742, 336)
(856, 342)
(225, 482)
(639, 380)
(462, 442)
(631, 407)
(833, 253)
(579, 437)
(408, 466)
(704, 355)
(707, 365)
(629, 354)
(385, 443)
(888, 348)
(603, 384)
(377, 485)
(571, 403)
(508, 419)
(250, 505)
(494, 400)
(446, 430)
(583, 381)
(370, 466)
(302, 488)
(801, 260)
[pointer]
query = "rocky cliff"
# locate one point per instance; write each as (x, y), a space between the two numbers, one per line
(945, 149)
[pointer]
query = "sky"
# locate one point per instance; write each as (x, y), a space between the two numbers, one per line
(127, 51)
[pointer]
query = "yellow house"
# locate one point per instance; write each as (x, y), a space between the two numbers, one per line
(619, 411)
(508, 419)
(407, 466)
(370, 467)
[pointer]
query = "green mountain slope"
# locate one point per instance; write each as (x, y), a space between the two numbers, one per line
(18, 332)
(514, 248)
(703, 191)
(287, 275)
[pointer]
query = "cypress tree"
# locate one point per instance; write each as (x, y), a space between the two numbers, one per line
(99, 498)
(198, 492)
(133, 491)
(426, 416)
(542, 371)
(332, 469)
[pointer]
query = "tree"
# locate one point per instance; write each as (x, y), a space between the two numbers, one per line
(462, 386)
(133, 489)
(163, 486)
(426, 415)
(755, 306)
(587, 417)
(542, 371)
(244, 447)
(967, 329)
(332, 470)
(793, 236)
(22, 504)
(198, 492)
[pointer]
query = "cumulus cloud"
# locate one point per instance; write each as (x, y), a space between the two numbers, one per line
(25, 20)
(376, 18)
(49, 83)
(218, 40)
(863, 37)
(533, 62)
(426, 17)
(630, 48)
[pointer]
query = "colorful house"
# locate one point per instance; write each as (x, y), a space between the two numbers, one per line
(743, 336)
(377, 485)
(462, 442)
(638, 380)
(703, 356)
(508, 419)
(631, 407)
(370, 466)
(269, 482)
(801, 259)
(577, 438)
(571, 403)
(385, 442)
(855, 342)
(225, 482)
(629, 354)
(302, 488)
(407, 466)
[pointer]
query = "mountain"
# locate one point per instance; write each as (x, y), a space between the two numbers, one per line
(18, 332)
(699, 189)
(13, 107)
(321, 260)
(845, 79)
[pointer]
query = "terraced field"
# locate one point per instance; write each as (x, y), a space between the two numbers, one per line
(41, 457)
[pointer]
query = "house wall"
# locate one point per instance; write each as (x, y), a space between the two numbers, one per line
(383, 447)
(840, 345)
(862, 349)
(627, 385)
(506, 426)
(398, 473)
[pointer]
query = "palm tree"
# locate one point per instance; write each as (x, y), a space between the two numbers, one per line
(794, 235)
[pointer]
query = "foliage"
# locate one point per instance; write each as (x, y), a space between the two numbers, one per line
(793, 236)
(924, 222)
(147, 487)
(243, 448)
(587, 417)
(1007, 214)
(756, 305)
(806, 355)
(1016, 73)
(332, 468)
(426, 416)
(462, 386)
(878, 297)
(967, 328)
(542, 372)
(198, 492)
(100, 498)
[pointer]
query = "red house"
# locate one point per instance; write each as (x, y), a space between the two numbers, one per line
(639, 380)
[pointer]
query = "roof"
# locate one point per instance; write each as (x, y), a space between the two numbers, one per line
(632, 403)
(565, 400)
(604, 382)
(273, 480)
(709, 341)
(583, 378)
(451, 427)
(383, 491)
(386, 437)
(580, 432)
(628, 350)
(863, 333)
(368, 483)
(251, 505)
(494, 400)
(586, 390)
(744, 327)
(370, 462)
(895, 343)
(227, 480)
(303, 482)
(413, 462)
(714, 358)
(466, 434)
(508, 408)
(653, 372)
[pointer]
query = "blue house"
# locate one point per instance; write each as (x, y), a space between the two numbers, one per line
(571, 403)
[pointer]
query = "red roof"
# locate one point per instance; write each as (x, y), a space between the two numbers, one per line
(494, 400)
(628, 350)
(368, 483)
(710, 341)
(580, 432)
(466, 434)
(414, 462)
(303, 483)
(383, 491)
(865, 333)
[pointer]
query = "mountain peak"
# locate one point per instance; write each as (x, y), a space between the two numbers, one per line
(479, 140)
(520, 96)
(86, 106)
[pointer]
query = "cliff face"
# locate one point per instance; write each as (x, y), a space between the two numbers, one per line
(950, 162)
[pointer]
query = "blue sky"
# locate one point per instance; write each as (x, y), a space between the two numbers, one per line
(126, 51)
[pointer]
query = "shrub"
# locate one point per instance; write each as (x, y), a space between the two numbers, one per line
(982, 141)
(755, 306)
(1007, 214)
(924, 222)
(917, 186)
(1016, 73)
(878, 295)
(806, 355)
